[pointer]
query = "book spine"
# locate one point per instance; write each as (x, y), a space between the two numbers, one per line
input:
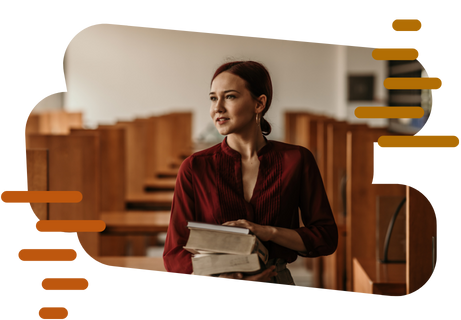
(261, 250)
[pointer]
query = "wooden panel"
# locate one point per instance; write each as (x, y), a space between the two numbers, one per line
(387, 206)
(362, 282)
(73, 166)
(111, 165)
(421, 230)
(335, 170)
(155, 164)
(371, 276)
(32, 126)
(290, 127)
(37, 178)
(135, 147)
(360, 202)
(52, 122)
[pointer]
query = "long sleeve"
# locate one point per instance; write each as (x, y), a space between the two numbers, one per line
(320, 233)
(175, 258)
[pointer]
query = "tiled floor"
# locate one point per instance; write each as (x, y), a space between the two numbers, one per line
(301, 276)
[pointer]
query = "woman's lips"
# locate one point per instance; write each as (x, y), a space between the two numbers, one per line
(222, 120)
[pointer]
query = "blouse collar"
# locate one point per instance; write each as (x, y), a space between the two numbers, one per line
(235, 154)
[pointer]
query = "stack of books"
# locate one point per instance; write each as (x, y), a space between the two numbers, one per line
(221, 249)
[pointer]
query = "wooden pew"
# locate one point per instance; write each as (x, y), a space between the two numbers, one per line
(37, 178)
(36, 171)
(373, 276)
(154, 161)
(72, 166)
(301, 129)
(362, 196)
(52, 122)
(135, 148)
(333, 267)
(125, 230)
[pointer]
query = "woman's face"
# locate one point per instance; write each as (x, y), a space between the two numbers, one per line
(232, 107)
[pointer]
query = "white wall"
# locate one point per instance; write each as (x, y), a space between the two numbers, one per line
(119, 73)
(52, 102)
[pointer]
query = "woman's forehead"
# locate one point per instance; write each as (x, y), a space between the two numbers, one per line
(227, 81)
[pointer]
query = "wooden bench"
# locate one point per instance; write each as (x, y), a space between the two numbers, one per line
(135, 169)
(373, 276)
(72, 166)
(362, 196)
(344, 153)
(37, 178)
(52, 122)
(115, 240)
(36, 172)
(169, 143)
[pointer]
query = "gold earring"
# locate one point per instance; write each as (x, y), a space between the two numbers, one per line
(257, 119)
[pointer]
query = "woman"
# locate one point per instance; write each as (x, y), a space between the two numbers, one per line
(249, 181)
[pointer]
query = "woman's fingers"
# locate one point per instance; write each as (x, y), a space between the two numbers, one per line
(264, 276)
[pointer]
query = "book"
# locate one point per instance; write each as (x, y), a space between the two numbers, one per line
(209, 241)
(216, 263)
(216, 227)
(221, 249)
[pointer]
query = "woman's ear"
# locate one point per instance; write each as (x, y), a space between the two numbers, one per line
(261, 103)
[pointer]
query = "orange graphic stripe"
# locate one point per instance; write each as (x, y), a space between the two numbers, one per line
(389, 112)
(64, 284)
(412, 83)
(406, 25)
(395, 54)
(418, 141)
(53, 313)
(42, 196)
(47, 255)
(71, 225)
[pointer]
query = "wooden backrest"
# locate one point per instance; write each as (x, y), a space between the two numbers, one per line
(37, 178)
(182, 134)
(164, 140)
(136, 151)
(151, 147)
(112, 165)
(52, 122)
(73, 166)
(362, 195)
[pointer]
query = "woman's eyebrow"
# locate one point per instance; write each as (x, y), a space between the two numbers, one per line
(226, 91)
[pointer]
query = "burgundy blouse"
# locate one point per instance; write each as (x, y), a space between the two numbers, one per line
(209, 188)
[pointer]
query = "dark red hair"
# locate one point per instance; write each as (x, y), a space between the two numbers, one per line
(257, 81)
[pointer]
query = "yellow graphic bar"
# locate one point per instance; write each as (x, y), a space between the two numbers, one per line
(395, 54)
(418, 141)
(388, 112)
(406, 25)
(412, 83)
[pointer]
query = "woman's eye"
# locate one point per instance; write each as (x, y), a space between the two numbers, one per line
(213, 98)
(230, 96)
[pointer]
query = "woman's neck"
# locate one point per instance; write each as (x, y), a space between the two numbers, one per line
(247, 146)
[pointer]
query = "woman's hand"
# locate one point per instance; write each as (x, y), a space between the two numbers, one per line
(264, 276)
(264, 233)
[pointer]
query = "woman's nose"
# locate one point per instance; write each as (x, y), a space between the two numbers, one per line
(219, 106)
